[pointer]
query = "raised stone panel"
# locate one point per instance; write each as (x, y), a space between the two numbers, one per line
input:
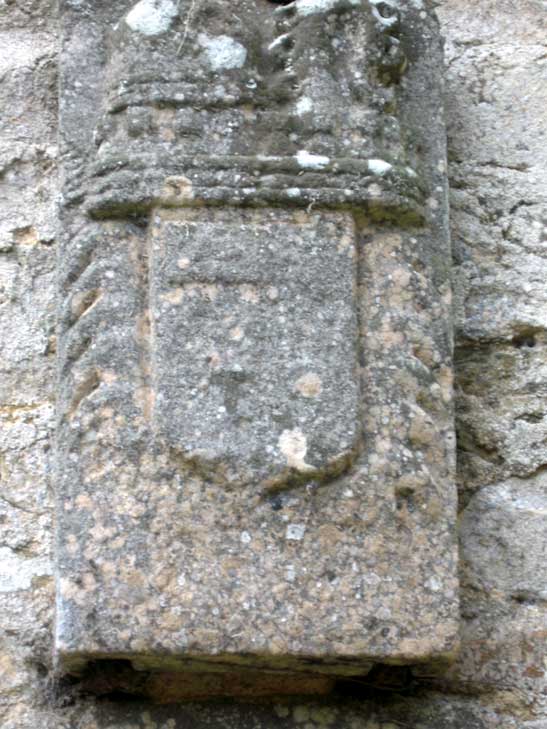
(255, 343)
(255, 439)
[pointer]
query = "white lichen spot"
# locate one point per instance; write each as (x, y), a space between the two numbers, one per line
(433, 584)
(183, 263)
(295, 532)
(309, 385)
(18, 572)
(245, 538)
(304, 105)
(152, 17)
(293, 192)
(379, 166)
(293, 445)
(311, 161)
(310, 7)
(223, 52)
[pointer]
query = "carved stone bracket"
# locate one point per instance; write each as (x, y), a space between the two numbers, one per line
(255, 439)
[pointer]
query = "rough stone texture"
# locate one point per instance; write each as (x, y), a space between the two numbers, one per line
(255, 442)
(497, 84)
(255, 344)
(496, 100)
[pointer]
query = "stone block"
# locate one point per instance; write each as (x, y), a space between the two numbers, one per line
(255, 438)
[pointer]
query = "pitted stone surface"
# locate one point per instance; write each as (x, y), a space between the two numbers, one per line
(255, 343)
(494, 51)
(497, 556)
(255, 438)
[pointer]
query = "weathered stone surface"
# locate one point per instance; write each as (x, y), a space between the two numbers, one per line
(494, 51)
(503, 543)
(496, 99)
(254, 341)
(499, 557)
(255, 446)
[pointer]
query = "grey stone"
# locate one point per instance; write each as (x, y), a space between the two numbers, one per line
(254, 344)
(496, 110)
(504, 539)
(255, 437)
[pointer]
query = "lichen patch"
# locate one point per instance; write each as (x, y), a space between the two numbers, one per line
(311, 161)
(295, 532)
(293, 445)
(304, 105)
(223, 53)
(151, 17)
(379, 166)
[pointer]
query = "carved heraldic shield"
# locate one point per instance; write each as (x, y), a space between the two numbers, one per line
(255, 437)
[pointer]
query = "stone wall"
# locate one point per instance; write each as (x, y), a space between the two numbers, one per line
(496, 97)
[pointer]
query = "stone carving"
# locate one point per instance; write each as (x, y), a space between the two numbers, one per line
(255, 436)
(295, 110)
(255, 339)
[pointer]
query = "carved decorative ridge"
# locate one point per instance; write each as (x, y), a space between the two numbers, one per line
(144, 182)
